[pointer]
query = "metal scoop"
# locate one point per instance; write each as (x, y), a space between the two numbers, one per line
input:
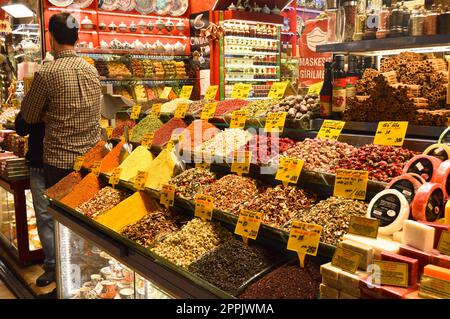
(127, 148)
(108, 145)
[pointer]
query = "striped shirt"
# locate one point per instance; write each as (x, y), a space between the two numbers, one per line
(66, 95)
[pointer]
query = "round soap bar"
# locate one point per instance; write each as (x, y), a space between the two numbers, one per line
(391, 208)
(443, 177)
(424, 165)
(440, 151)
(405, 184)
(428, 204)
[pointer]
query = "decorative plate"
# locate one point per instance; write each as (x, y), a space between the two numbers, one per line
(179, 7)
(126, 5)
(162, 7)
(109, 5)
(81, 3)
(145, 6)
(61, 3)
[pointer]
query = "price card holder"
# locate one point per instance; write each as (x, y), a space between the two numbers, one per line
(208, 111)
(115, 177)
(444, 243)
(96, 167)
(204, 205)
(241, 91)
(304, 238)
(109, 130)
(147, 140)
(78, 163)
(211, 92)
(277, 90)
(156, 109)
(391, 273)
(135, 112)
(391, 133)
(330, 129)
(182, 107)
(362, 226)
(238, 119)
(140, 180)
(241, 162)
(186, 92)
(289, 170)
(248, 225)
(166, 92)
(351, 184)
(167, 195)
(346, 259)
(275, 122)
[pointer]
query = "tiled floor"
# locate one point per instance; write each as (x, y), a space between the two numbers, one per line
(5, 293)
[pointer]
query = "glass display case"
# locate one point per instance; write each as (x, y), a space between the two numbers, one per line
(86, 272)
(18, 229)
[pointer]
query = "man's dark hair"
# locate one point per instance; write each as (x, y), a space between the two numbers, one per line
(64, 28)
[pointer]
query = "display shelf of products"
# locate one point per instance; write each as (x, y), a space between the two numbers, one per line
(250, 53)
(144, 53)
(435, 42)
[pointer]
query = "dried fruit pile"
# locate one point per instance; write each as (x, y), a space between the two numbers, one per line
(264, 147)
(192, 181)
(105, 199)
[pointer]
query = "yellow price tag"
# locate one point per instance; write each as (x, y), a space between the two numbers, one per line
(167, 196)
(248, 224)
(289, 170)
(351, 184)
(181, 110)
(147, 140)
(140, 180)
(277, 90)
(241, 91)
(331, 130)
(391, 273)
(204, 205)
(156, 109)
(238, 119)
(241, 162)
(165, 93)
(315, 88)
(391, 133)
(209, 110)
(109, 130)
(275, 122)
(346, 259)
(211, 92)
(135, 112)
(170, 145)
(96, 167)
(115, 176)
(304, 238)
(186, 92)
(78, 163)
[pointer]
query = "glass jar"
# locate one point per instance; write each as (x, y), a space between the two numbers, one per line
(430, 26)
(350, 19)
(417, 23)
(383, 22)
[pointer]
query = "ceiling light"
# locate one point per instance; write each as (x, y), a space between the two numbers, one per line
(18, 11)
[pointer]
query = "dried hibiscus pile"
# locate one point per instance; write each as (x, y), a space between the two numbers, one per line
(264, 148)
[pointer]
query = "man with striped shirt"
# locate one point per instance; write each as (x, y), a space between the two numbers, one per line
(65, 95)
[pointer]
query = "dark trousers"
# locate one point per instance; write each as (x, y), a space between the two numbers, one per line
(53, 175)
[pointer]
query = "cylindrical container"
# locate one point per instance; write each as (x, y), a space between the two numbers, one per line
(406, 19)
(350, 20)
(371, 26)
(383, 22)
(443, 22)
(396, 22)
(417, 23)
(430, 25)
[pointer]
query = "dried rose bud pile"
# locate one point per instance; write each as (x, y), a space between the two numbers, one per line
(264, 148)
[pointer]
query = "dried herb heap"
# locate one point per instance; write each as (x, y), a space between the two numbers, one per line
(334, 215)
(196, 107)
(231, 191)
(192, 181)
(104, 200)
(279, 204)
(151, 227)
(287, 282)
(148, 125)
(259, 108)
(382, 162)
(320, 154)
(231, 264)
(190, 243)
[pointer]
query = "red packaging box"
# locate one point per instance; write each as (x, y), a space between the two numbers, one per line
(413, 265)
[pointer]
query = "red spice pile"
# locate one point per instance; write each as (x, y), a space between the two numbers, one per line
(227, 106)
(163, 135)
(198, 132)
(120, 127)
(95, 154)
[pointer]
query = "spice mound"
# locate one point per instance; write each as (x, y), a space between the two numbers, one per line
(111, 161)
(190, 243)
(148, 125)
(382, 162)
(163, 134)
(228, 106)
(139, 160)
(64, 186)
(120, 127)
(198, 132)
(192, 181)
(84, 191)
(334, 215)
(265, 147)
(171, 107)
(320, 154)
(95, 154)
(104, 200)
(279, 204)
(231, 191)
(225, 142)
(151, 227)
(231, 264)
(161, 170)
(287, 282)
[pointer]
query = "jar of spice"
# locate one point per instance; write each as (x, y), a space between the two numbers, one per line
(443, 22)
(371, 26)
(383, 22)
(417, 23)
(360, 21)
(396, 22)
(350, 20)
(406, 18)
(430, 26)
